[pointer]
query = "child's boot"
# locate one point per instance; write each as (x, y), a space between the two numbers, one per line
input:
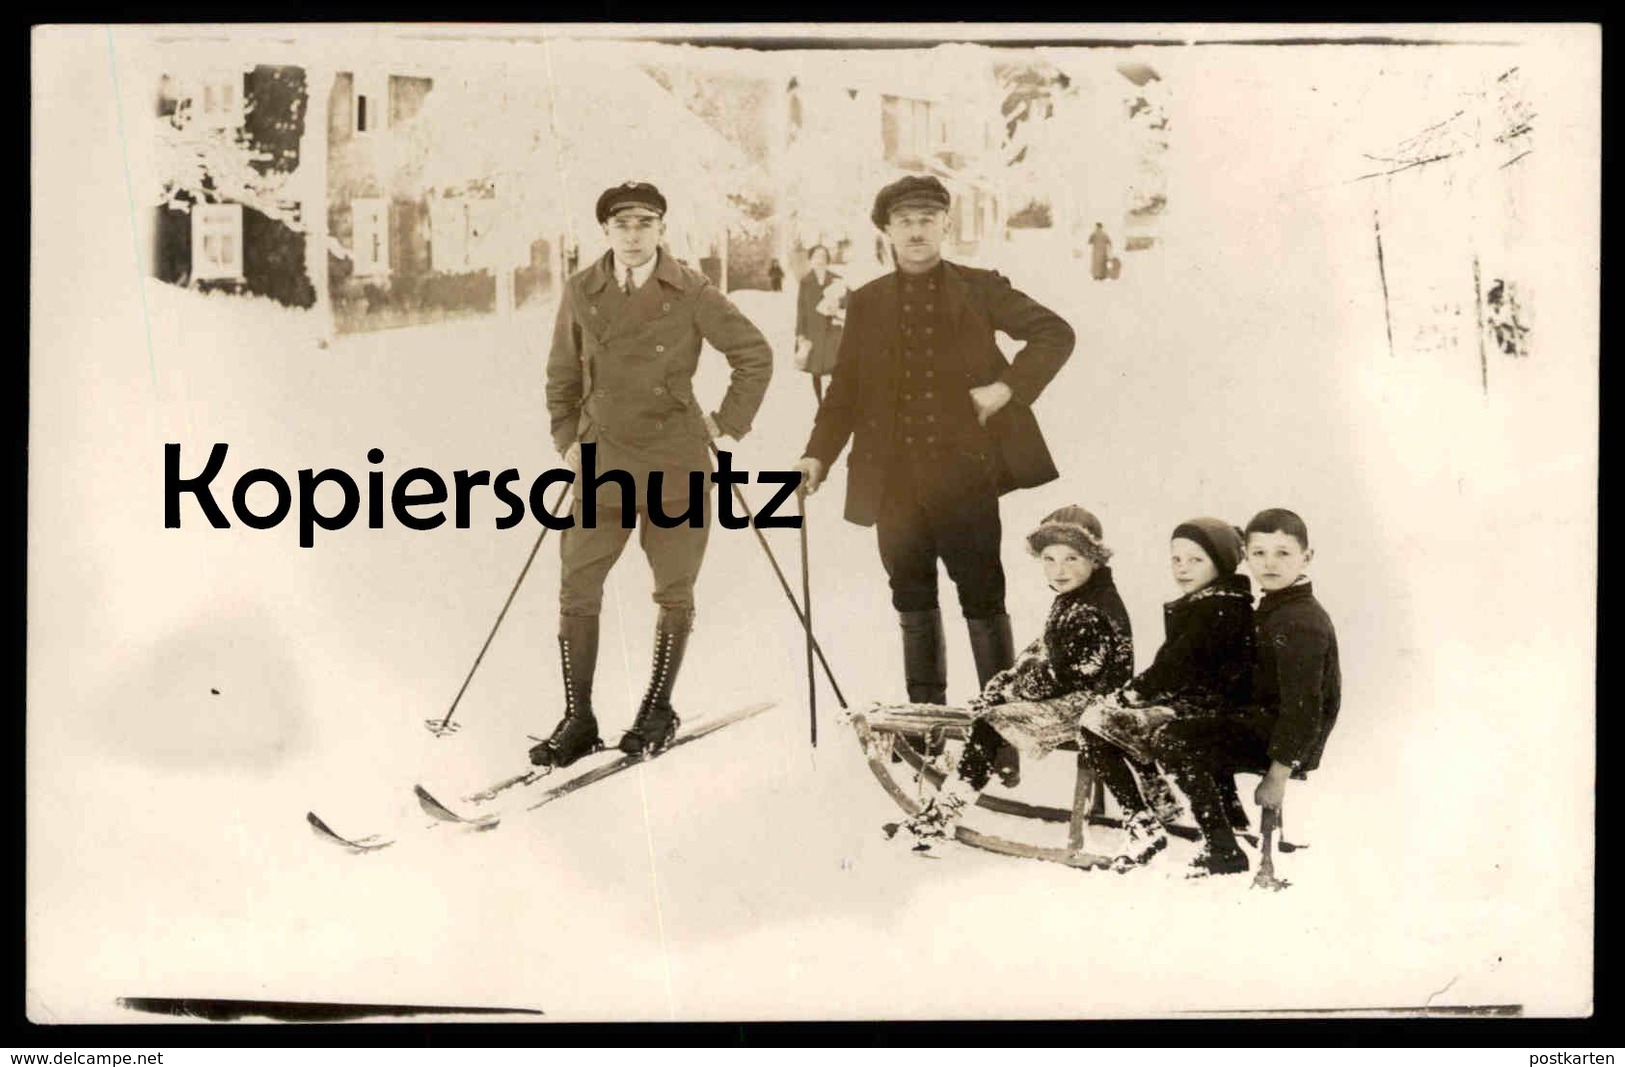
(1159, 796)
(1143, 838)
(1220, 854)
(937, 821)
(1209, 863)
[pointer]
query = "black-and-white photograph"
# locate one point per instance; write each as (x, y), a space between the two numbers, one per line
(646, 522)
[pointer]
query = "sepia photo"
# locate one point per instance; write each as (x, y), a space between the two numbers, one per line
(659, 522)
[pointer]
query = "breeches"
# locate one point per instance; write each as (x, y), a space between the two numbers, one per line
(924, 518)
(586, 556)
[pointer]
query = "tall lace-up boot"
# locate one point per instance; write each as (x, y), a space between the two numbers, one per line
(656, 723)
(576, 735)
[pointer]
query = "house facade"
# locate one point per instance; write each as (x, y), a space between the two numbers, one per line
(830, 128)
(230, 128)
(441, 181)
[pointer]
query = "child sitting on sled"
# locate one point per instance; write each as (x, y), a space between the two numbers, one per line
(1296, 693)
(1086, 648)
(1203, 669)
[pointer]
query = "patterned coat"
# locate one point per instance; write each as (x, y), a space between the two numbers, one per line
(1087, 648)
(621, 372)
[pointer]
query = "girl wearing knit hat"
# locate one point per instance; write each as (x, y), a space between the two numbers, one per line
(1202, 668)
(1086, 649)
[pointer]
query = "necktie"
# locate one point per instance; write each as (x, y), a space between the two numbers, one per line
(628, 285)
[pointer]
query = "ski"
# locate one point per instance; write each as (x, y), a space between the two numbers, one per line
(444, 813)
(370, 843)
(433, 807)
(597, 774)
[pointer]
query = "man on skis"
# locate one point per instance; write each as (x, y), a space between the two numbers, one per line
(620, 377)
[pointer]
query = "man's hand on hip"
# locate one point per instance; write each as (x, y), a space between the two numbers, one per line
(712, 428)
(988, 399)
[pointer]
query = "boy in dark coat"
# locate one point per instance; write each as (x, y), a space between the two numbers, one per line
(1296, 694)
(1202, 669)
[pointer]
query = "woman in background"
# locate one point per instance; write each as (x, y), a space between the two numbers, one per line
(820, 315)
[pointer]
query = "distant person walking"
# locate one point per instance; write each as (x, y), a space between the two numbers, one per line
(820, 317)
(775, 276)
(1100, 254)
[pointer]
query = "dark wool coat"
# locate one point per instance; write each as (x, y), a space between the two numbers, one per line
(861, 403)
(1206, 658)
(821, 330)
(1296, 676)
(621, 371)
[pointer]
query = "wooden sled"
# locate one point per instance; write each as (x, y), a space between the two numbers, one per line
(886, 730)
(881, 731)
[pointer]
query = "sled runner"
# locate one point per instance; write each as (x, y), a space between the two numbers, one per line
(881, 729)
(887, 730)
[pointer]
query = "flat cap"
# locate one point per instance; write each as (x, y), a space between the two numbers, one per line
(630, 194)
(910, 191)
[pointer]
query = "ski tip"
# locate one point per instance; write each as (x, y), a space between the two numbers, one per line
(370, 843)
(433, 807)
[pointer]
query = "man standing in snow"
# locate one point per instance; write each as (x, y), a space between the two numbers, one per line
(941, 426)
(620, 377)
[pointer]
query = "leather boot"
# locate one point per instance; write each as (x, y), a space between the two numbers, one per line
(925, 656)
(656, 723)
(925, 667)
(576, 735)
(1220, 854)
(994, 649)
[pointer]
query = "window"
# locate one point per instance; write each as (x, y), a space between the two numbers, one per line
(909, 128)
(218, 101)
(217, 241)
(370, 235)
(371, 103)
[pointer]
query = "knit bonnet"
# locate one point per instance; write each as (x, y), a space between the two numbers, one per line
(1221, 541)
(1074, 527)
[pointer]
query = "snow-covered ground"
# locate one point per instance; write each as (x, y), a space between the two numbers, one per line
(193, 692)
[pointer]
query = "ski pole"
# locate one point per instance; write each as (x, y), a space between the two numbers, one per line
(806, 598)
(784, 584)
(443, 727)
